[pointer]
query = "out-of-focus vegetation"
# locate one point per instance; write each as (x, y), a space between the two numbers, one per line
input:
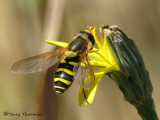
(26, 24)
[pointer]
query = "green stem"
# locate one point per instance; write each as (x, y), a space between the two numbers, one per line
(147, 110)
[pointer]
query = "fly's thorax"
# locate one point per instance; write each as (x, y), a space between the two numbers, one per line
(77, 45)
(80, 45)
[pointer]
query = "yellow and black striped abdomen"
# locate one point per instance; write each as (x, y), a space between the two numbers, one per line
(64, 75)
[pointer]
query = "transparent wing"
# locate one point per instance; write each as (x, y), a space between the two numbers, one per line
(37, 63)
(84, 73)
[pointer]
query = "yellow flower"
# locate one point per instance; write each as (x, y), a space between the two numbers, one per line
(102, 58)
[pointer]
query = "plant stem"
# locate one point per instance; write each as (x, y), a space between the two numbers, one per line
(147, 110)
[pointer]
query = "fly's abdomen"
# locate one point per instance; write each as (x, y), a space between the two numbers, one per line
(64, 74)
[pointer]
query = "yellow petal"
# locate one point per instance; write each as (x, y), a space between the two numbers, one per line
(93, 31)
(57, 43)
(96, 56)
(100, 64)
(87, 96)
(91, 93)
(109, 49)
(81, 97)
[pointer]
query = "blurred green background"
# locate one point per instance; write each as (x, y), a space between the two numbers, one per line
(25, 24)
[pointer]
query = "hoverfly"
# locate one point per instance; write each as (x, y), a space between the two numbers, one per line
(73, 63)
